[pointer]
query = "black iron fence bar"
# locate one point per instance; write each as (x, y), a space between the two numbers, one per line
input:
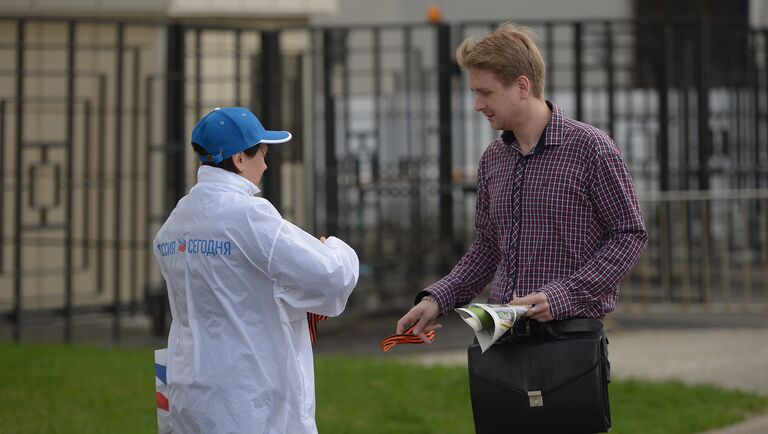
(238, 74)
(45, 314)
(116, 272)
(376, 151)
(51, 241)
(2, 187)
(156, 299)
(662, 83)
(174, 134)
(414, 264)
(345, 50)
(17, 283)
(346, 84)
(44, 145)
(765, 54)
(134, 162)
(69, 208)
(45, 46)
(38, 73)
(610, 72)
(331, 181)
(42, 227)
(175, 103)
(25, 185)
(702, 84)
(312, 183)
(198, 73)
(101, 191)
(754, 69)
(86, 230)
(578, 69)
(702, 195)
(148, 125)
(271, 69)
(445, 67)
(549, 44)
(661, 63)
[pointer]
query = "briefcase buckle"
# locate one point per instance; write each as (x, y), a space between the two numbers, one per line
(535, 399)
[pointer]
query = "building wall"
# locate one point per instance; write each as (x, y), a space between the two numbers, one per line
(172, 8)
(758, 13)
(356, 11)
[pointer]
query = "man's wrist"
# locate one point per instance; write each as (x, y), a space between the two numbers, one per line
(430, 298)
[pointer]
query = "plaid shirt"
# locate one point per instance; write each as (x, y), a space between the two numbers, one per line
(563, 220)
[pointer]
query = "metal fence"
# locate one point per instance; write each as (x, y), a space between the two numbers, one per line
(707, 252)
(95, 118)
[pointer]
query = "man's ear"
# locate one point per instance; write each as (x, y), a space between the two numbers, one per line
(523, 86)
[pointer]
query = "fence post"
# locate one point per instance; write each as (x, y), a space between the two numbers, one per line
(272, 109)
(578, 66)
(329, 114)
(175, 134)
(175, 139)
(702, 86)
(68, 263)
(662, 88)
(17, 275)
(610, 78)
(444, 72)
(662, 150)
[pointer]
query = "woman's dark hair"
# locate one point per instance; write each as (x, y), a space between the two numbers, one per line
(226, 163)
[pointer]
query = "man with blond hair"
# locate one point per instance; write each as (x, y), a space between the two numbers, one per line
(557, 221)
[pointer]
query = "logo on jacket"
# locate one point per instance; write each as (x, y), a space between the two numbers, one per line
(192, 246)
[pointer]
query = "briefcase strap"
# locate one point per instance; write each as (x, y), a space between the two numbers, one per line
(577, 325)
(558, 328)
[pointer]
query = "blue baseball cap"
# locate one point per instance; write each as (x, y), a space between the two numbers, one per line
(226, 131)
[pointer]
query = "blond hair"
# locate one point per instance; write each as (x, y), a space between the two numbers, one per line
(509, 52)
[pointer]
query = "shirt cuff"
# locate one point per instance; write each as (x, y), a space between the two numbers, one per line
(558, 298)
(442, 294)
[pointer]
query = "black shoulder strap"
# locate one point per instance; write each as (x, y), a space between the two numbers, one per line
(573, 325)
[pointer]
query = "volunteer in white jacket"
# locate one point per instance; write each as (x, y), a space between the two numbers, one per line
(241, 280)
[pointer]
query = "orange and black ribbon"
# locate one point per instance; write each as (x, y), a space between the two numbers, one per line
(313, 319)
(405, 338)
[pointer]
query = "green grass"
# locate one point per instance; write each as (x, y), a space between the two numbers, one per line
(82, 389)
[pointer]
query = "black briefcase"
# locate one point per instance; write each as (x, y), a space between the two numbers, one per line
(549, 380)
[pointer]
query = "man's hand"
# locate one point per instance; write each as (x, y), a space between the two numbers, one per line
(322, 240)
(425, 313)
(540, 310)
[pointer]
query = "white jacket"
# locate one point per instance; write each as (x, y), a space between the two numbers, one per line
(240, 283)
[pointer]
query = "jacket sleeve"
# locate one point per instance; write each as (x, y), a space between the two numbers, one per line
(310, 275)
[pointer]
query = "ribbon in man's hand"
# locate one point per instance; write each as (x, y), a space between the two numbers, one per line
(407, 337)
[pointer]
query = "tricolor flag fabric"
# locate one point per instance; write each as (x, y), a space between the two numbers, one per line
(161, 394)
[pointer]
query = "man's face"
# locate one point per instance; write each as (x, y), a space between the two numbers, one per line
(501, 105)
